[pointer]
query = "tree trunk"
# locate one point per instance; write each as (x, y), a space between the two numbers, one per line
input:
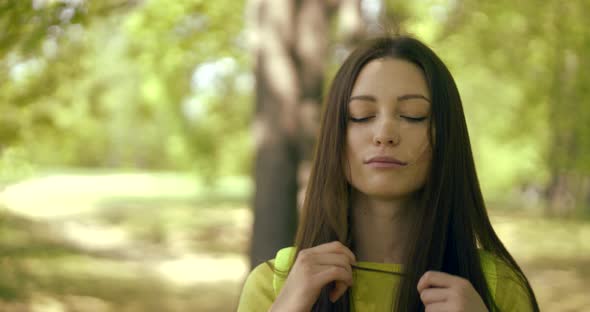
(568, 191)
(290, 42)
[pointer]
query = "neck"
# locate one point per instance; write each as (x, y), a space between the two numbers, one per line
(379, 228)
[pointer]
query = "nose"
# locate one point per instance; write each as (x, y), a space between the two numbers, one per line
(387, 134)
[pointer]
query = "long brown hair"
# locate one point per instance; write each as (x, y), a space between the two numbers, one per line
(451, 220)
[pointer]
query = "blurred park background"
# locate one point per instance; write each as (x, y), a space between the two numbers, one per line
(151, 151)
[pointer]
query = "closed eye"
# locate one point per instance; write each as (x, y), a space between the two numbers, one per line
(414, 119)
(360, 119)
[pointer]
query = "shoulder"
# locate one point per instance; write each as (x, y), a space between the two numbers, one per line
(266, 280)
(507, 286)
(258, 292)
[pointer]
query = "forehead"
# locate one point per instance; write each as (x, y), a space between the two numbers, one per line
(390, 77)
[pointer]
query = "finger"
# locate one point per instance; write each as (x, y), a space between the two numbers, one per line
(334, 259)
(334, 247)
(436, 307)
(321, 268)
(337, 247)
(338, 291)
(436, 279)
(333, 274)
(433, 295)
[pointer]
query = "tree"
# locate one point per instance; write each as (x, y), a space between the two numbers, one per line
(535, 51)
(112, 83)
(290, 47)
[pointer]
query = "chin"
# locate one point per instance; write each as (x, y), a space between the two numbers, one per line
(386, 193)
(390, 195)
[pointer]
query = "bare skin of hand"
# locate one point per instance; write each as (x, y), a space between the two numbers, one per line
(313, 269)
(440, 292)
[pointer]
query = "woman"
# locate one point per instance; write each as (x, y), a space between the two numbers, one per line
(393, 218)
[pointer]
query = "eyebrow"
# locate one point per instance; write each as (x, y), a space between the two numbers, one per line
(399, 98)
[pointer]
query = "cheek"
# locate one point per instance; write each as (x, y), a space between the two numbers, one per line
(346, 159)
(426, 159)
(419, 147)
(346, 167)
(353, 145)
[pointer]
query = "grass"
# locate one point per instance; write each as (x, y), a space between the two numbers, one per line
(122, 242)
(36, 265)
(161, 242)
(555, 256)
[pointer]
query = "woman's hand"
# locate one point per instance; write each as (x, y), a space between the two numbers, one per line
(315, 268)
(440, 291)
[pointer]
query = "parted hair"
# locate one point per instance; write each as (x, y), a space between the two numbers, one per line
(450, 223)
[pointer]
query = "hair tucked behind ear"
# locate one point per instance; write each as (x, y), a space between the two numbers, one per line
(451, 220)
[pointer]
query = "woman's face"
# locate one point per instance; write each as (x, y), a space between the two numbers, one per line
(387, 147)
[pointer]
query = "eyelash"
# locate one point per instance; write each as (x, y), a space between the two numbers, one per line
(359, 119)
(409, 119)
(414, 119)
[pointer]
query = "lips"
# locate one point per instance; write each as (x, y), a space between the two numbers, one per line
(385, 160)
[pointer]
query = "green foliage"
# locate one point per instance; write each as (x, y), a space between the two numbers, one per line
(167, 85)
(14, 165)
(106, 84)
(520, 67)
